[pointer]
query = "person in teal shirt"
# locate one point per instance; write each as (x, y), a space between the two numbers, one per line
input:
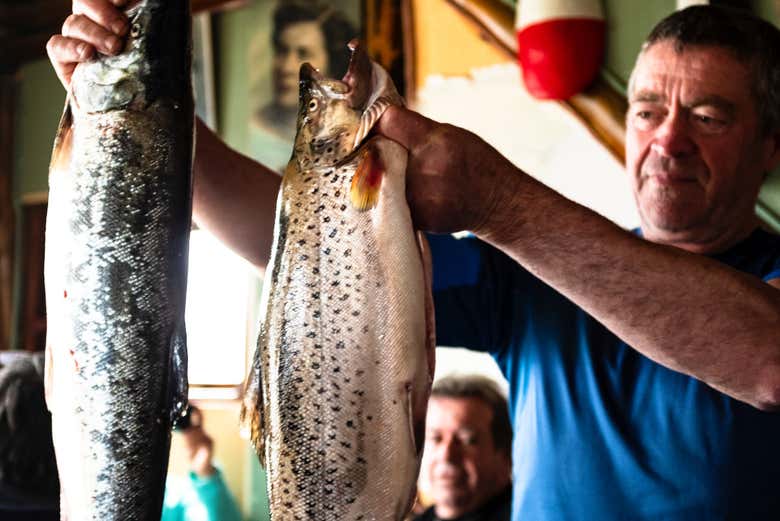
(203, 495)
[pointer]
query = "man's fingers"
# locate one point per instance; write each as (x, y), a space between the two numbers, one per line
(79, 27)
(404, 126)
(65, 53)
(104, 13)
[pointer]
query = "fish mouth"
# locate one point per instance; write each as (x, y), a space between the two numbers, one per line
(355, 86)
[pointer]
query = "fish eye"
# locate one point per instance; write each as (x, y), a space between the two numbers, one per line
(313, 105)
(135, 30)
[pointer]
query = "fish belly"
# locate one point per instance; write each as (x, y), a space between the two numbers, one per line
(116, 249)
(343, 350)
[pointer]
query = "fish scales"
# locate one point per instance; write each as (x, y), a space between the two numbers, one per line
(343, 368)
(116, 248)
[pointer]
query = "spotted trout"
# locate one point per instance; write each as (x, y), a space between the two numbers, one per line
(337, 393)
(117, 236)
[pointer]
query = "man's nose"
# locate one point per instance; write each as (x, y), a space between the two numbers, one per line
(673, 137)
(449, 450)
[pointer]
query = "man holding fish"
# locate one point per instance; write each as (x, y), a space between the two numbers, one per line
(644, 368)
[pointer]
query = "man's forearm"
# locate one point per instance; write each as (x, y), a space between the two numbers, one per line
(234, 198)
(684, 311)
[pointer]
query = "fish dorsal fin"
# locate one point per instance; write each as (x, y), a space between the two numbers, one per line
(383, 94)
(63, 141)
(367, 180)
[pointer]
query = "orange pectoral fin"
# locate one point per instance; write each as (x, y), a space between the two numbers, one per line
(364, 192)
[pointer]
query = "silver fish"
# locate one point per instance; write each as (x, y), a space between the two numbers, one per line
(117, 236)
(337, 394)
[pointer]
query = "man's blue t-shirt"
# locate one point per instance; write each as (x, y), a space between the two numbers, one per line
(601, 432)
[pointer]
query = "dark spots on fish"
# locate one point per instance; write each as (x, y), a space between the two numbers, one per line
(307, 179)
(326, 251)
(311, 334)
(351, 230)
(301, 242)
(332, 233)
(315, 295)
(298, 204)
(315, 270)
(337, 311)
(319, 208)
(303, 257)
(336, 370)
(347, 252)
(335, 283)
(343, 207)
(358, 276)
(326, 219)
(310, 227)
(326, 174)
(343, 297)
(340, 344)
(369, 417)
(346, 444)
(338, 193)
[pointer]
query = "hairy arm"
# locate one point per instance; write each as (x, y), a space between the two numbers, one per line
(682, 310)
(234, 197)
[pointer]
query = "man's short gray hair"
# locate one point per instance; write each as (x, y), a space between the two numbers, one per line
(485, 389)
(751, 39)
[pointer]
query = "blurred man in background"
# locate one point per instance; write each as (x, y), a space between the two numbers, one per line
(467, 465)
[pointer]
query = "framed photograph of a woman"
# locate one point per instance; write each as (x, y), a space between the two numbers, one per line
(297, 32)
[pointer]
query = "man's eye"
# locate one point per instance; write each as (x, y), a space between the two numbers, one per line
(468, 439)
(643, 118)
(708, 123)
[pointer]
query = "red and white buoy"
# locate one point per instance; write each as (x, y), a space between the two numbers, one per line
(560, 45)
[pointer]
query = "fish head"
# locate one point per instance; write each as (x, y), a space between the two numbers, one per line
(327, 123)
(148, 67)
(334, 116)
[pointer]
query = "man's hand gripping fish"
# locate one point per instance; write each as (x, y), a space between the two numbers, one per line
(337, 394)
